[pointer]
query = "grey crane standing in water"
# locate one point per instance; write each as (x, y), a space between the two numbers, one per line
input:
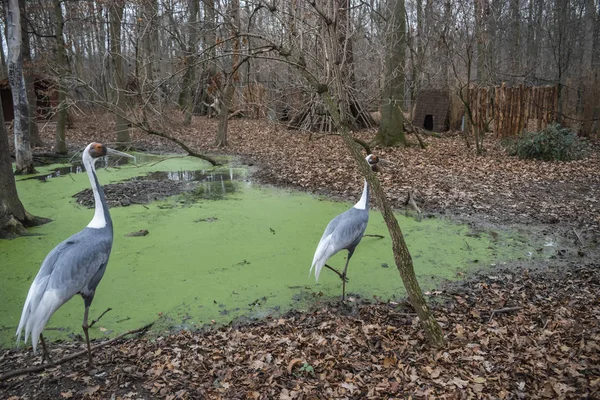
(75, 266)
(344, 232)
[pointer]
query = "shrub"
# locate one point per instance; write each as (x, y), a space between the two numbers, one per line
(551, 143)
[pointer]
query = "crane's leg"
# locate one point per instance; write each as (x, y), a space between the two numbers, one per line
(85, 327)
(344, 276)
(46, 353)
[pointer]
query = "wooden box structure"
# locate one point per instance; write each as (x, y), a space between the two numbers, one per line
(432, 110)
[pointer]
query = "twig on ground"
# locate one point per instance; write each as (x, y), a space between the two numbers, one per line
(504, 310)
(375, 235)
(578, 237)
(42, 367)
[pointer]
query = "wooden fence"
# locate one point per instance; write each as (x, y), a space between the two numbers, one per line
(510, 110)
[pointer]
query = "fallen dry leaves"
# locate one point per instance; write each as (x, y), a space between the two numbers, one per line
(547, 346)
(512, 333)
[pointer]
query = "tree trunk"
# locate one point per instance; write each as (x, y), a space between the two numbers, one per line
(481, 29)
(588, 38)
(515, 39)
(391, 129)
(231, 78)
(3, 56)
(187, 95)
(224, 116)
(17, 86)
(145, 74)
(116, 10)
(13, 217)
(61, 144)
(210, 39)
(402, 256)
(34, 133)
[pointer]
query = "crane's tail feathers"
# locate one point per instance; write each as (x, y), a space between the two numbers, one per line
(324, 251)
(36, 291)
(38, 318)
(317, 267)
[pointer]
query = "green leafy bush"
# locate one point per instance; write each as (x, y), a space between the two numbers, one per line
(552, 143)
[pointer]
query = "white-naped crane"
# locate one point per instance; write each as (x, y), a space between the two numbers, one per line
(75, 266)
(344, 232)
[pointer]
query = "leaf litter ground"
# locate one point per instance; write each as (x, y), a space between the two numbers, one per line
(519, 331)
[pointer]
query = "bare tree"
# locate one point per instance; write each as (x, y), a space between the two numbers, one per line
(61, 123)
(28, 72)
(116, 9)
(391, 129)
(24, 157)
(231, 75)
(186, 97)
(13, 217)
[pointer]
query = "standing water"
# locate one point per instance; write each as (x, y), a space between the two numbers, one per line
(226, 248)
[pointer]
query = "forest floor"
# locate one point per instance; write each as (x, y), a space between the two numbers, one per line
(516, 331)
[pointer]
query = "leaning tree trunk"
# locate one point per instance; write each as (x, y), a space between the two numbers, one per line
(13, 217)
(61, 123)
(116, 10)
(402, 256)
(34, 132)
(391, 129)
(17, 86)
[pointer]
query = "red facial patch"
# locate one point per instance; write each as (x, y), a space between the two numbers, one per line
(97, 150)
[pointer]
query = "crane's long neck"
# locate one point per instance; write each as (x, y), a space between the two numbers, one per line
(101, 215)
(363, 203)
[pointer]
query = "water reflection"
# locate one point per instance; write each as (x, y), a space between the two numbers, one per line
(77, 168)
(210, 185)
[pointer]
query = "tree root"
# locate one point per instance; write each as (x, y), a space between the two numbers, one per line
(42, 367)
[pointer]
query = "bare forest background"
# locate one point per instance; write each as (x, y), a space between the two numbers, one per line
(143, 59)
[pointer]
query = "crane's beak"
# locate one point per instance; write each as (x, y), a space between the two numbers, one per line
(114, 152)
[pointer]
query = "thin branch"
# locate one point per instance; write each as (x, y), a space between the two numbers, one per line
(42, 367)
(504, 310)
(179, 142)
(101, 315)
(578, 237)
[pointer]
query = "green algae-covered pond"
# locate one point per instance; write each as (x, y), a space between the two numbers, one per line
(228, 249)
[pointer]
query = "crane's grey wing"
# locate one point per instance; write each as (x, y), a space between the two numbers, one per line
(343, 232)
(350, 229)
(66, 271)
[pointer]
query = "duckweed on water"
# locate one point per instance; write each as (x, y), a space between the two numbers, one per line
(247, 254)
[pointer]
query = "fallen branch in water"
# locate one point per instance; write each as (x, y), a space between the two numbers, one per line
(180, 143)
(42, 367)
(101, 315)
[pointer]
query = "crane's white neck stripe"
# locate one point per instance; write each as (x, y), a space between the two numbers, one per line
(99, 221)
(364, 199)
